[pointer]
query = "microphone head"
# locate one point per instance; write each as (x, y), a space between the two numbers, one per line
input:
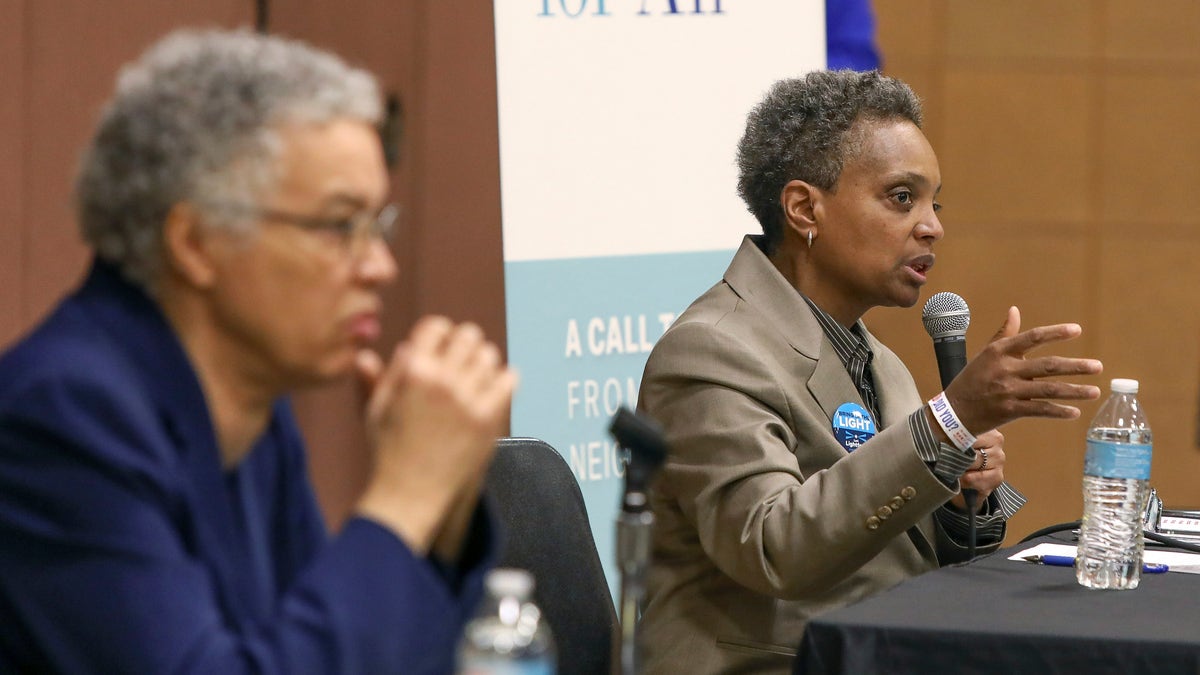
(642, 436)
(946, 315)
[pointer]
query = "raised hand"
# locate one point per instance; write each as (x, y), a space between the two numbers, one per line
(1004, 383)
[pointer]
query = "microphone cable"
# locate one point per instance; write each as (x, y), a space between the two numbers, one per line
(969, 498)
(1075, 524)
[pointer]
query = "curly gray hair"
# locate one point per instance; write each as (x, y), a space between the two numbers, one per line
(799, 131)
(195, 119)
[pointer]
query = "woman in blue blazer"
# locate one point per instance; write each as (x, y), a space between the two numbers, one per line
(155, 513)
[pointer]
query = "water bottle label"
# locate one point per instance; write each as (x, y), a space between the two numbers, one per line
(1117, 460)
(501, 666)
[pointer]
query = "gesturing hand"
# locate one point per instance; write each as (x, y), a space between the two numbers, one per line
(433, 413)
(1003, 383)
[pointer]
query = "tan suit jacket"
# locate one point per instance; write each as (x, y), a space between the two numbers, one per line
(763, 519)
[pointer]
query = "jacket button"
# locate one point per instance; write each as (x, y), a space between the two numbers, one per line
(908, 493)
(896, 503)
(872, 523)
(884, 512)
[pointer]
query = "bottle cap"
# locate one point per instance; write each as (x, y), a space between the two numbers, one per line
(510, 581)
(1124, 386)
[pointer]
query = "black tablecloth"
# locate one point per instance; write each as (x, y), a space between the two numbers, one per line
(1000, 616)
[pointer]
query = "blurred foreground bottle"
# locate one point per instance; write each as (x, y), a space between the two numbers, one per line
(1116, 476)
(508, 635)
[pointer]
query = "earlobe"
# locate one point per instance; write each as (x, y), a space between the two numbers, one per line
(187, 247)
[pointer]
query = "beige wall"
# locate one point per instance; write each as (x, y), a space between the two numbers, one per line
(1069, 144)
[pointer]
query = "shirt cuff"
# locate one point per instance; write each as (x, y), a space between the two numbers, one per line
(1004, 501)
(946, 462)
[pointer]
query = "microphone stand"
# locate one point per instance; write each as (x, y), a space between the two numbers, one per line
(647, 451)
(633, 553)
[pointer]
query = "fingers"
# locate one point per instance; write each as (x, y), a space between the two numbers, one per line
(440, 359)
(989, 451)
(1047, 409)
(1011, 325)
(1065, 391)
(987, 471)
(429, 334)
(368, 367)
(989, 439)
(464, 357)
(453, 378)
(983, 482)
(386, 382)
(478, 362)
(499, 392)
(462, 345)
(1049, 366)
(1023, 343)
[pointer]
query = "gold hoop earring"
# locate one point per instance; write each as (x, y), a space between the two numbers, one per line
(810, 238)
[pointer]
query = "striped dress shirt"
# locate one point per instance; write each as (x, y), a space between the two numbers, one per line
(947, 462)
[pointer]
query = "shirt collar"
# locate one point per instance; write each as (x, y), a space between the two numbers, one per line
(849, 343)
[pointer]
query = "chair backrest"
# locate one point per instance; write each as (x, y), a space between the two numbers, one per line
(546, 531)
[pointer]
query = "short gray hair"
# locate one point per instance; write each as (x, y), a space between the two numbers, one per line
(195, 119)
(799, 132)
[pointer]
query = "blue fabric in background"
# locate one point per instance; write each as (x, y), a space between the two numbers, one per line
(850, 35)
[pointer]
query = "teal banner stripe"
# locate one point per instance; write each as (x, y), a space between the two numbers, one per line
(579, 332)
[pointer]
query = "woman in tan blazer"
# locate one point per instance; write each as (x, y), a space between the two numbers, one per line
(806, 472)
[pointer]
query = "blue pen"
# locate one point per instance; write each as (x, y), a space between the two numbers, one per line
(1068, 561)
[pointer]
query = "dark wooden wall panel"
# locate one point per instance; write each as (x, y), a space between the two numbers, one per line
(73, 51)
(460, 265)
(12, 161)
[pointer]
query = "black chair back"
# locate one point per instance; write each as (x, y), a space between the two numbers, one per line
(546, 531)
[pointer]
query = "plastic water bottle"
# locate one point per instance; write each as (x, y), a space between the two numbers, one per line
(508, 636)
(1116, 476)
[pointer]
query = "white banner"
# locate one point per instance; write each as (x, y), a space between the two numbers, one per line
(619, 121)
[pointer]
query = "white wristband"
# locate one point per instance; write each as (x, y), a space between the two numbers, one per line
(949, 422)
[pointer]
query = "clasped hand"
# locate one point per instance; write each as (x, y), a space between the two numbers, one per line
(433, 413)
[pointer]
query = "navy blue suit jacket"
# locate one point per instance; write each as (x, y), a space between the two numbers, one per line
(126, 548)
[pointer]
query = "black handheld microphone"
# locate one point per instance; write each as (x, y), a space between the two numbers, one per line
(946, 317)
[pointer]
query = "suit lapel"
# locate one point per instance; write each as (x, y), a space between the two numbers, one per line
(752, 276)
(887, 370)
(830, 384)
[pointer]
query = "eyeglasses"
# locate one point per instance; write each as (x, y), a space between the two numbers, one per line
(354, 232)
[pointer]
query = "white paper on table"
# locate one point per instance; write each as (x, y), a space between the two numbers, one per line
(1176, 561)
